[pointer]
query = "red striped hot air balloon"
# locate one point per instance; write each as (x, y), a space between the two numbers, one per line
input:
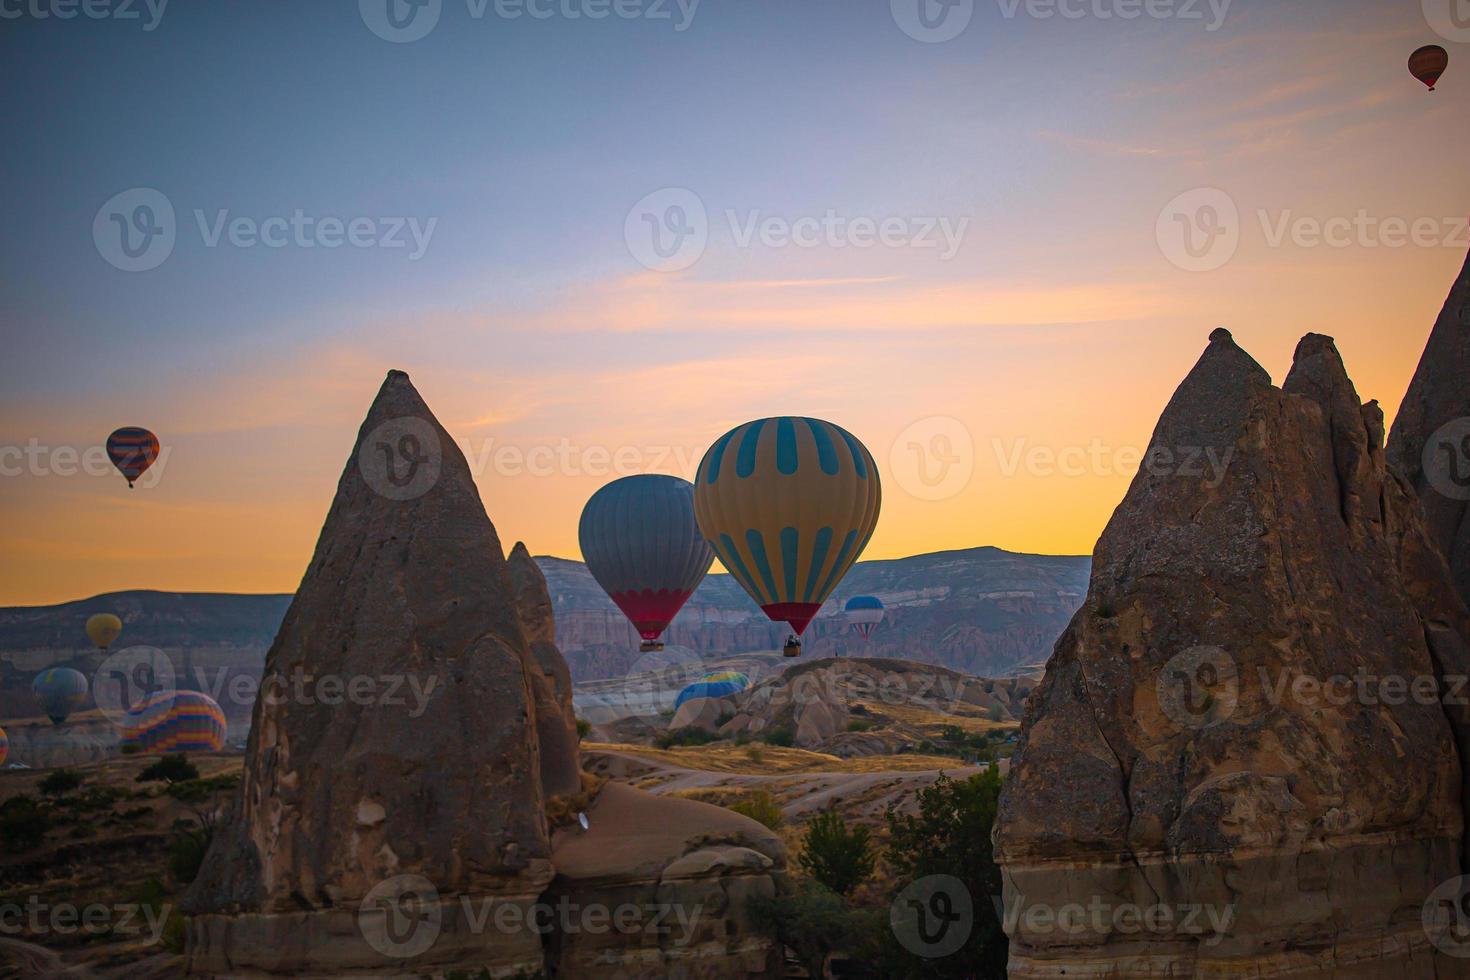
(1428, 64)
(132, 450)
(4, 747)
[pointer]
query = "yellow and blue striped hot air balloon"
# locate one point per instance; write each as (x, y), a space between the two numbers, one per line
(175, 721)
(788, 504)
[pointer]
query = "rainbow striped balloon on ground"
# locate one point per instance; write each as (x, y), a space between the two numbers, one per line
(4, 747)
(59, 691)
(788, 504)
(716, 684)
(175, 721)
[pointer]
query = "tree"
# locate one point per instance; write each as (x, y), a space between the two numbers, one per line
(950, 835)
(169, 769)
(811, 920)
(838, 857)
(60, 782)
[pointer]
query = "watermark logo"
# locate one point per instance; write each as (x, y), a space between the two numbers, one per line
(1450, 19)
(135, 229)
(129, 677)
(1446, 917)
(37, 919)
(91, 9)
(933, 917)
(401, 459)
(1199, 231)
(934, 458)
(401, 917)
(1199, 687)
(667, 231)
(1211, 13)
(1447, 459)
(655, 680)
(400, 21)
(932, 21)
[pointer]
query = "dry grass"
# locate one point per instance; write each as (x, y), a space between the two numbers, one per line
(774, 760)
(923, 718)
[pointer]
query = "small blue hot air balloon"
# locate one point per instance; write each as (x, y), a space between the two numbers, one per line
(642, 545)
(59, 691)
(864, 613)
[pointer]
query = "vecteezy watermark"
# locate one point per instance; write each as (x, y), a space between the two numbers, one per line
(1210, 13)
(1208, 464)
(1208, 923)
(933, 458)
(1446, 459)
(1201, 230)
(932, 21)
(299, 687)
(1364, 687)
(39, 459)
(128, 678)
(147, 12)
(36, 918)
(136, 230)
(401, 459)
(405, 21)
(1199, 687)
(1450, 19)
(669, 230)
(1446, 917)
(402, 917)
(933, 917)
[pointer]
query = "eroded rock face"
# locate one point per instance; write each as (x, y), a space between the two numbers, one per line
(428, 731)
(1182, 753)
(551, 682)
(1430, 443)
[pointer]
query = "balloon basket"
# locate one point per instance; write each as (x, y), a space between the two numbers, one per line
(792, 648)
(650, 646)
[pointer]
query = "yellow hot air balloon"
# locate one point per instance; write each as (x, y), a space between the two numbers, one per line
(103, 629)
(788, 504)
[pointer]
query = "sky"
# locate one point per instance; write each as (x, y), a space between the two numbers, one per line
(988, 238)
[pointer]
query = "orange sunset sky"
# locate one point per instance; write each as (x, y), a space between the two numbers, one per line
(1062, 322)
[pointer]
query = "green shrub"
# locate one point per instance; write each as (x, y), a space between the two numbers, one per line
(996, 713)
(24, 823)
(169, 769)
(812, 920)
(684, 736)
(858, 725)
(761, 807)
(60, 782)
(755, 754)
(584, 727)
(838, 857)
(781, 736)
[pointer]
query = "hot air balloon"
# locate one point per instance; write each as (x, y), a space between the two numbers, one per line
(717, 684)
(1428, 64)
(864, 613)
(4, 747)
(788, 504)
(59, 691)
(175, 721)
(132, 450)
(641, 544)
(103, 630)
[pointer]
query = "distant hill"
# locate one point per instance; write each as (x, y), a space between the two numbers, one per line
(982, 610)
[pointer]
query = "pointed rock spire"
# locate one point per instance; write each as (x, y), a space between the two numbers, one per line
(551, 681)
(1430, 443)
(393, 747)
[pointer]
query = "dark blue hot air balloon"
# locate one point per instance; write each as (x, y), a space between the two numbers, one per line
(642, 544)
(59, 691)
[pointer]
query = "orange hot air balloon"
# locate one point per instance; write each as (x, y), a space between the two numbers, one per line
(1428, 64)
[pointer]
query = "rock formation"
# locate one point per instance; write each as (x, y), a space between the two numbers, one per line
(1431, 436)
(551, 682)
(395, 816)
(1237, 763)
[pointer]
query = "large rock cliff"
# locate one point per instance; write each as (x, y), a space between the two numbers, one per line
(1238, 763)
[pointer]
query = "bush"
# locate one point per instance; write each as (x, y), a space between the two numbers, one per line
(950, 835)
(839, 858)
(858, 725)
(781, 736)
(755, 754)
(812, 921)
(24, 823)
(761, 807)
(996, 713)
(60, 782)
(169, 769)
(684, 736)
(584, 727)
